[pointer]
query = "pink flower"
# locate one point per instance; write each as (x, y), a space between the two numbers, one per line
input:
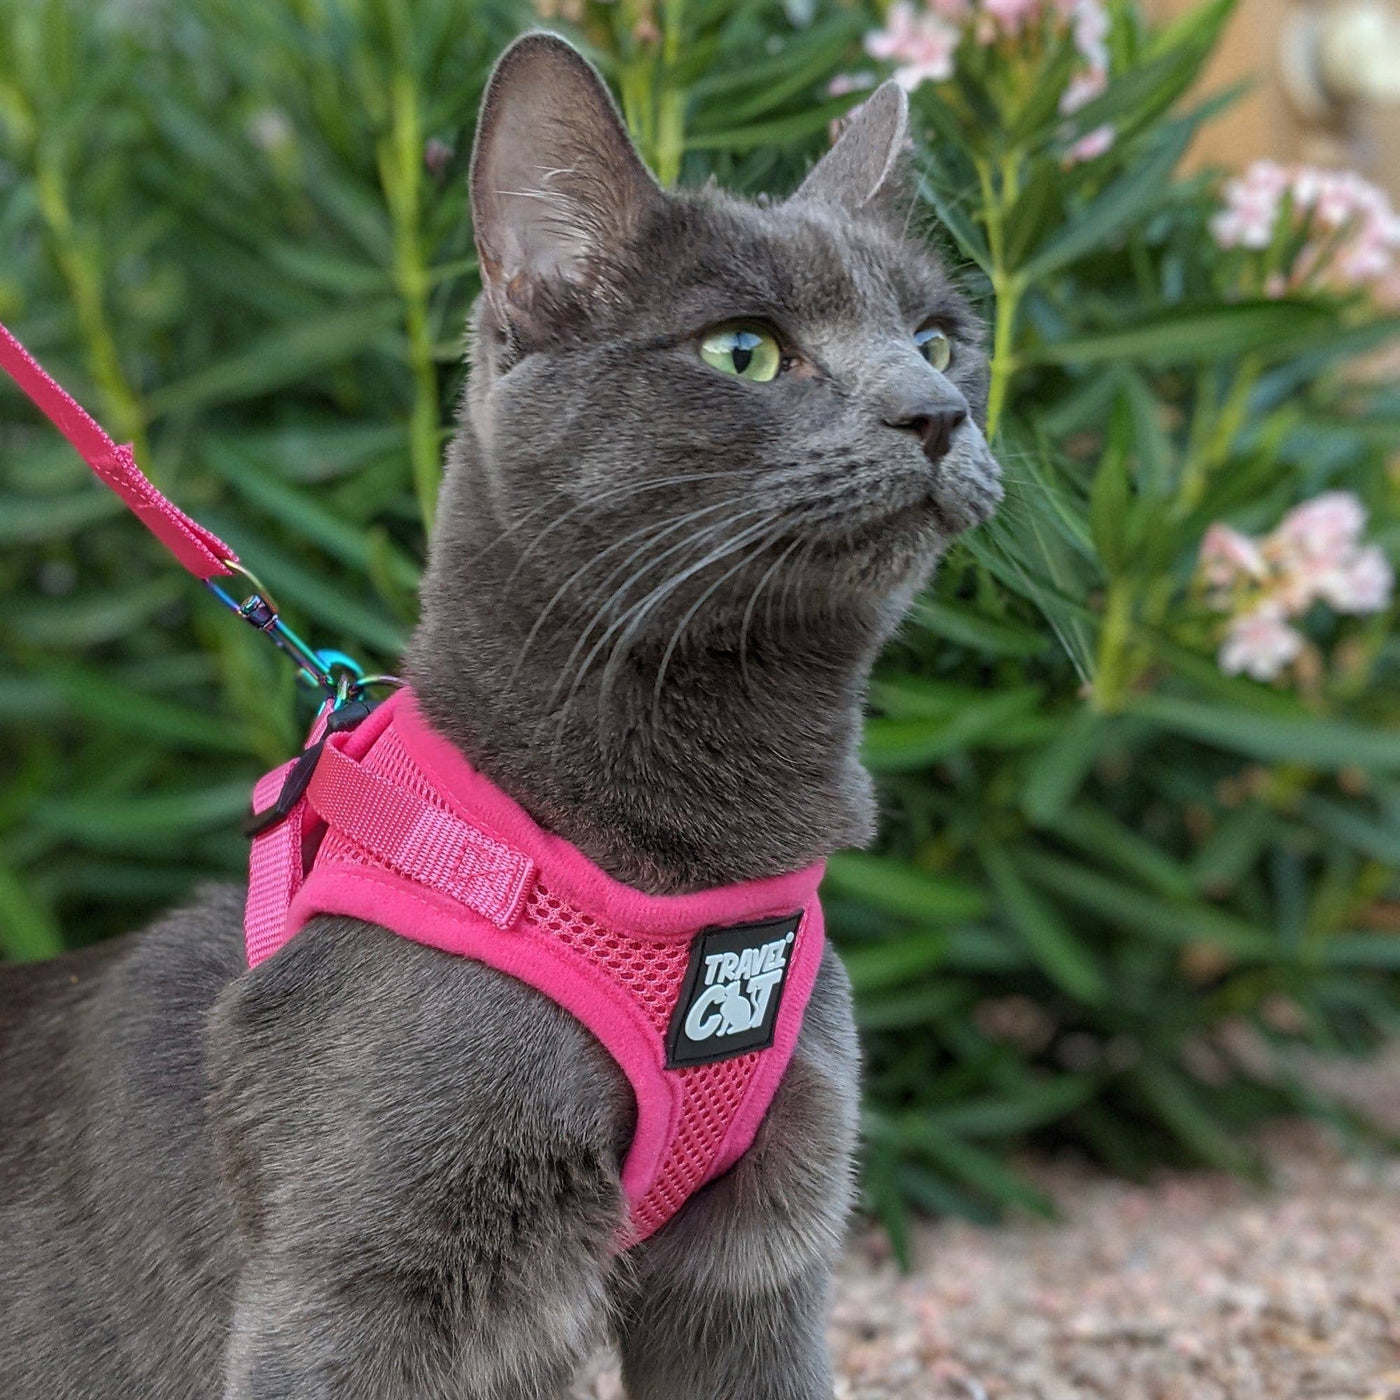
(1012, 15)
(1091, 145)
(1322, 528)
(922, 42)
(1260, 644)
(1082, 89)
(1228, 556)
(1091, 28)
(844, 83)
(1313, 555)
(1350, 236)
(921, 45)
(1363, 584)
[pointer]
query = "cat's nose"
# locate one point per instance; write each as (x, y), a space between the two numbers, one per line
(932, 423)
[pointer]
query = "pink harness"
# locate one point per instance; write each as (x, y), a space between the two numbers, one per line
(699, 998)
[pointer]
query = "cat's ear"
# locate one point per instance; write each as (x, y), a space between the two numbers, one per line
(555, 180)
(862, 167)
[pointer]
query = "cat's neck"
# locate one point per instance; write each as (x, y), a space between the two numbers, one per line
(734, 769)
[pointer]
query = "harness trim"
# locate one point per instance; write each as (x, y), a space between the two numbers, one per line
(402, 832)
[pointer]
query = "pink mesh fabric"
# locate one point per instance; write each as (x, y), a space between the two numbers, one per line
(407, 817)
(652, 974)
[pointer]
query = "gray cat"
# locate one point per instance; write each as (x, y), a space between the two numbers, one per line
(709, 451)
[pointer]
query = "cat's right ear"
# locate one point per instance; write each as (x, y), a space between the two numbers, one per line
(863, 167)
(555, 180)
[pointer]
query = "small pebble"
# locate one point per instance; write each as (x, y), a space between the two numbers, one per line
(1199, 1287)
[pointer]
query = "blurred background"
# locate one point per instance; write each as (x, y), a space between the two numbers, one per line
(1139, 747)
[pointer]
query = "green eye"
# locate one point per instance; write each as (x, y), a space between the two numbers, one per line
(935, 346)
(746, 350)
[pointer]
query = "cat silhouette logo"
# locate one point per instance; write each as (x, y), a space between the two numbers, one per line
(733, 987)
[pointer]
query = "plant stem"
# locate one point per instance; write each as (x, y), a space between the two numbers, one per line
(997, 201)
(83, 275)
(670, 114)
(1115, 634)
(1217, 437)
(653, 106)
(1002, 365)
(401, 175)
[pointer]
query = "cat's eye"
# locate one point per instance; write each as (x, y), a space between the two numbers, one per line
(934, 346)
(743, 348)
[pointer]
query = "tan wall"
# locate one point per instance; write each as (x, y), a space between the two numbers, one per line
(1267, 121)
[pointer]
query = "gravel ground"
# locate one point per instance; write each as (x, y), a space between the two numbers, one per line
(1197, 1287)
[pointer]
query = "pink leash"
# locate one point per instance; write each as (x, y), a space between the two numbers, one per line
(199, 550)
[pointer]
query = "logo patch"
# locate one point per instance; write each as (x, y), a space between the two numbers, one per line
(729, 1002)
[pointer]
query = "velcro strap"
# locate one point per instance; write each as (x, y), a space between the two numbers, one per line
(419, 840)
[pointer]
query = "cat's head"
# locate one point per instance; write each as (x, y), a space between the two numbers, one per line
(687, 389)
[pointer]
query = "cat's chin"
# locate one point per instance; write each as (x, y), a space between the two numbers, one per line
(892, 548)
(886, 553)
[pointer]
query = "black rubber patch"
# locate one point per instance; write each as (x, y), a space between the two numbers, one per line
(733, 988)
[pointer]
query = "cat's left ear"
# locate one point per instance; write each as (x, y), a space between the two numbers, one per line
(862, 168)
(555, 179)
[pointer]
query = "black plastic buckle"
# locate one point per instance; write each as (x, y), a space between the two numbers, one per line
(345, 717)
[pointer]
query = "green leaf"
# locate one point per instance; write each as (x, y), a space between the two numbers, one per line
(91, 619)
(973, 1166)
(1372, 952)
(1129, 199)
(1273, 738)
(1055, 947)
(892, 887)
(897, 1007)
(339, 537)
(1136, 911)
(895, 961)
(130, 823)
(1232, 848)
(1199, 334)
(1378, 840)
(1058, 771)
(952, 211)
(1110, 498)
(28, 929)
(893, 745)
(107, 705)
(1180, 1106)
(778, 131)
(995, 636)
(1099, 835)
(1040, 1102)
(35, 520)
(278, 358)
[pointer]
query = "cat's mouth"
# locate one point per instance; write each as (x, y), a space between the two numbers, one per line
(961, 493)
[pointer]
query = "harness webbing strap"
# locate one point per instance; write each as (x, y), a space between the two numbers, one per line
(199, 550)
(420, 840)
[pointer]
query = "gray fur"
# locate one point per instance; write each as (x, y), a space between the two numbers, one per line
(367, 1169)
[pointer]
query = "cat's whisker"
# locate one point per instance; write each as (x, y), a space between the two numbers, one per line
(629, 488)
(629, 614)
(654, 530)
(655, 483)
(753, 602)
(768, 539)
(620, 593)
(809, 548)
(664, 590)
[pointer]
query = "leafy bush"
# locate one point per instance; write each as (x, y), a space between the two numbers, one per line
(1116, 885)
